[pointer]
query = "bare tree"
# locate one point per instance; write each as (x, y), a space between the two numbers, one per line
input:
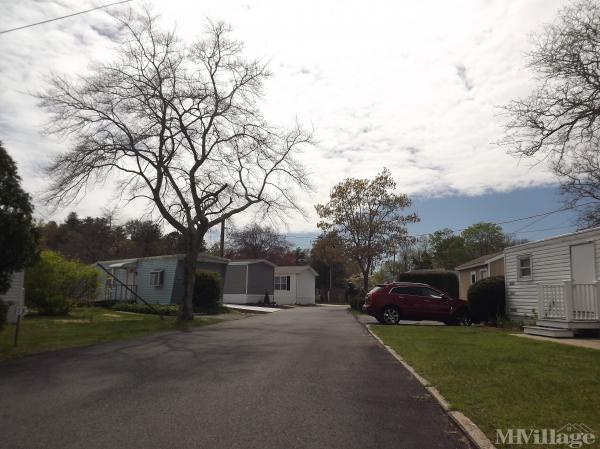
(178, 126)
(559, 119)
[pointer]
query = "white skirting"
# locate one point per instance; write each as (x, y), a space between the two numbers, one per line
(242, 298)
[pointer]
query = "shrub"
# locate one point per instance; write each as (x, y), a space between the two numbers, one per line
(55, 280)
(446, 281)
(165, 309)
(356, 299)
(207, 289)
(3, 313)
(54, 306)
(487, 299)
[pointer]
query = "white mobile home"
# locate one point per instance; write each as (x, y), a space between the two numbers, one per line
(555, 281)
(15, 297)
(295, 285)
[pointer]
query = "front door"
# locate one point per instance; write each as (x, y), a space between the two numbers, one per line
(583, 266)
(583, 275)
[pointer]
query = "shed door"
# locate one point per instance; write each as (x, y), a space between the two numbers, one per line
(583, 270)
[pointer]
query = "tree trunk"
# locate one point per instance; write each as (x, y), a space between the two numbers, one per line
(330, 282)
(190, 262)
(366, 281)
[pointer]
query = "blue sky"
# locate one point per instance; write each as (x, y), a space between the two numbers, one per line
(459, 211)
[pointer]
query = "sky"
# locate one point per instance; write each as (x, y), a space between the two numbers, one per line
(411, 86)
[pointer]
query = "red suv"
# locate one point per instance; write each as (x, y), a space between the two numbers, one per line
(409, 301)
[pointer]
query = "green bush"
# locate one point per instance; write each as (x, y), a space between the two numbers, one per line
(55, 281)
(356, 299)
(54, 306)
(207, 289)
(167, 310)
(446, 281)
(3, 313)
(487, 300)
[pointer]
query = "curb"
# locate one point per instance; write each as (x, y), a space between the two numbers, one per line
(473, 433)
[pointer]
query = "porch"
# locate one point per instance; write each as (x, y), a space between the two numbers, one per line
(566, 308)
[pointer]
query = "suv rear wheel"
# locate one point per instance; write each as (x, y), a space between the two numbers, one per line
(461, 318)
(390, 315)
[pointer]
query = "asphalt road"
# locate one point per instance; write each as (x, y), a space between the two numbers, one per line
(300, 378)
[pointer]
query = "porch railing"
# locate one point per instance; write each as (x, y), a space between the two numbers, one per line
(119, 292)
(569, 302)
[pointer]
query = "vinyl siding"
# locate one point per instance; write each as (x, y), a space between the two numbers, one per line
(551, 264)
(235, 280)
(157, 295)
(261, 278)
(15, 295)
(305, 288)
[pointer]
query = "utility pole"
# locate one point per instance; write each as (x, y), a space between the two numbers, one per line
(222, 247)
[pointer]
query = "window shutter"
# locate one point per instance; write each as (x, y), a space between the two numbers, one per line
(288, 282)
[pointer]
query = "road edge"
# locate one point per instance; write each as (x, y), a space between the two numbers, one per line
(470, 429)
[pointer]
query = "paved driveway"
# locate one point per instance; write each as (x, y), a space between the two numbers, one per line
(299, 378)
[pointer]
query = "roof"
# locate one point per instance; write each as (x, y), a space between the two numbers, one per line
(202, 257)
(483, 260)
(250, 262)
(295, 269)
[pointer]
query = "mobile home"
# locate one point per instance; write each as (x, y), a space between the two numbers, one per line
(156, 279)
(555, 282)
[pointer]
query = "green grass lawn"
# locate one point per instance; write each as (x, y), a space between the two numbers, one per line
(41, 334)
(503, 381)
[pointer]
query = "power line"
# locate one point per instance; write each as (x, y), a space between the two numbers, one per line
(63, 17)
(543, 214)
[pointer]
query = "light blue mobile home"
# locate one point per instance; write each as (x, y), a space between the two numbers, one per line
(157, 280)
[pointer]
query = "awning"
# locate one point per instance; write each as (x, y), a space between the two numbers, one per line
(124, 264)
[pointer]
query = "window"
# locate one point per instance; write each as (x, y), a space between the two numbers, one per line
(110, 280)
(483, 273)
(524, 268)
(282, 282)
(406, 290)
(473, 277)
(156, 278)
(430, 293)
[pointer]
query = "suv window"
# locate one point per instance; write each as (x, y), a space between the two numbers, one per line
(429, 292)
(406, 290)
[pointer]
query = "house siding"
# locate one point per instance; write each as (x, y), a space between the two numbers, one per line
(497, 267)
(261, 279)
(235, 281)
(15, 295)
(157, 295)
(551, 264)
(305, 288)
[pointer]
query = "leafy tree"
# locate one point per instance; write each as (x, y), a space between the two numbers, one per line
(366, 215)
(483, 238)
(448, 250)
(18, 235)
(329, 259)
(177, 126)
(559, 119)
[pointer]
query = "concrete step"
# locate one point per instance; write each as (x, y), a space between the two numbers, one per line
(548, 331)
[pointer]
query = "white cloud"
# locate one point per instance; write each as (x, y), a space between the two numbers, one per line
(407, 85)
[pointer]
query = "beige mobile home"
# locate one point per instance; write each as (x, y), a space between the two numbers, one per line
(555, 282)
(295, 285)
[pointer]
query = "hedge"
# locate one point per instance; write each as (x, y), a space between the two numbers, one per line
(446, 281)
(3, 314)
(487, 300)
(167, 310)
(207, 289)
(54, 282)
